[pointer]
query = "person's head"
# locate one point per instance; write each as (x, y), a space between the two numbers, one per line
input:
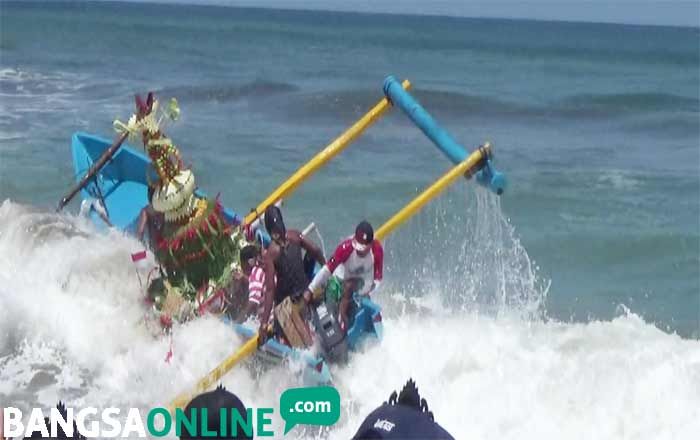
(364, 236)
(404, 415)
(409, 396)
(214, 401)
(249, 258)
(274, 223)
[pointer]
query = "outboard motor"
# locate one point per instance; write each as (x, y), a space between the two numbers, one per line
(332, 338)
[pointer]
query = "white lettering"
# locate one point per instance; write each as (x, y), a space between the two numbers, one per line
(133, 424)
(384, 424)
(94, 430)
(87, 421)
(36, 423)
(58, 420)
(12, 422)
(311, 407)
(112, 422)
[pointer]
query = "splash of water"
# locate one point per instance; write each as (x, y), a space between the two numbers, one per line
(463, 250)
(71, 330)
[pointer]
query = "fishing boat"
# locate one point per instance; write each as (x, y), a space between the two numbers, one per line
(121, 187)
(114, 186)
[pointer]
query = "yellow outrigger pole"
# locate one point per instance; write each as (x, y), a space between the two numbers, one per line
(328, 153)
(214, 375)
(471, 164)
(325, 155)
(464, 168)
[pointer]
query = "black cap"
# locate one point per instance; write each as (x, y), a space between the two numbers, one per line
(364, 234)
(399, 422)
(403, 417)
(213, 401)
(273, 221)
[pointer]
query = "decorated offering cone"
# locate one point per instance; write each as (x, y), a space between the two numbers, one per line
(198, 248)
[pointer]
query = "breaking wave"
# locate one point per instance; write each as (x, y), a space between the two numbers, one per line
(472, 334)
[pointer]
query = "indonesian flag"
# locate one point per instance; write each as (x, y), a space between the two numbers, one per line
(138, 256)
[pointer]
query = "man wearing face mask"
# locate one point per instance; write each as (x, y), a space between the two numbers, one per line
(358, 263)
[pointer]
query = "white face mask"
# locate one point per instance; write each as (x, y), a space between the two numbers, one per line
(359, 247)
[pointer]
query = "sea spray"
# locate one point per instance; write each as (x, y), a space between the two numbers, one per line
(73, 324)
(508, 378)
(464, 247)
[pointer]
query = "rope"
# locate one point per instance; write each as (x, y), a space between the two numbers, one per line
(323, 243)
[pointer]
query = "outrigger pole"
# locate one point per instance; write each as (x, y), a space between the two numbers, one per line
(478, 162)
(399, 97)
(214, 375)
(325, 155)
(210, 379)
(468, 166)
(328, 153)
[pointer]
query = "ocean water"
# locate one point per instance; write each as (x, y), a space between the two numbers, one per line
(567, 308)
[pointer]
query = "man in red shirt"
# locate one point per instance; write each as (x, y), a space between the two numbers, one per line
(358, 261)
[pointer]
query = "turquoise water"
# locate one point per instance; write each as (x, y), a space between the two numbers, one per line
(597, 127)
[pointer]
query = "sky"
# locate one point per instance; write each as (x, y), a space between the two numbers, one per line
(657, 12)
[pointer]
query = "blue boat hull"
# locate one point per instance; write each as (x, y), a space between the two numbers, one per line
(316, 371)
(367, 324)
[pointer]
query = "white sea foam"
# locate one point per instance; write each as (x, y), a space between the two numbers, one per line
(617, 179)
(71, 329)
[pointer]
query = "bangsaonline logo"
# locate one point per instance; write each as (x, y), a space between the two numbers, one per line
(117, 423)
(309, 406)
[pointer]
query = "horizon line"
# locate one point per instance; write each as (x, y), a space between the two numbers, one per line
(224, 4)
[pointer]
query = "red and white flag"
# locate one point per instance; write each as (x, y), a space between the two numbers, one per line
(138, 256)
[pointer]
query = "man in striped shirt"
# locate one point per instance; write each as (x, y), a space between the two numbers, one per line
(251, 265)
